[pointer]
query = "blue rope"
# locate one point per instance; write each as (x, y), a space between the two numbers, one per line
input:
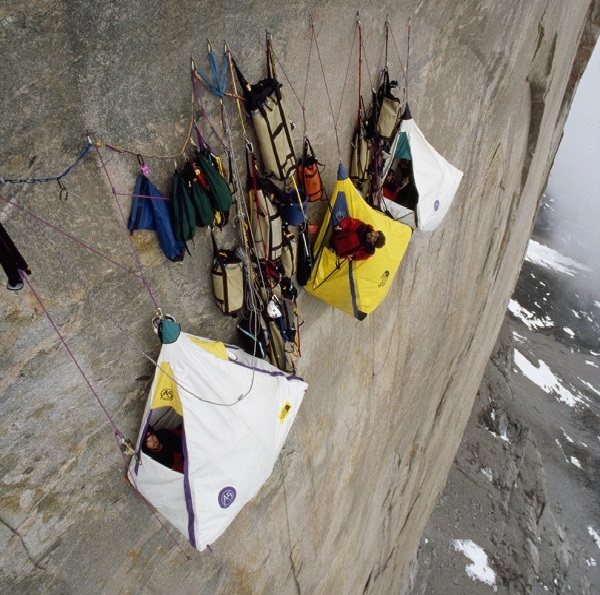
(221, 86)
(50, 178)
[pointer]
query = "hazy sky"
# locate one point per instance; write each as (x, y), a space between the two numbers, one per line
(574, 181)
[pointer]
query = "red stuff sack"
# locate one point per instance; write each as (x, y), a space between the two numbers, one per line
(309, 174)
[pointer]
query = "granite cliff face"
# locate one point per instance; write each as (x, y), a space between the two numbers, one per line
(490, 84)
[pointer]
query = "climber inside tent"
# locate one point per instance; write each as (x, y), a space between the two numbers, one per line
(235, 412)
(356, 287)
(418, 183)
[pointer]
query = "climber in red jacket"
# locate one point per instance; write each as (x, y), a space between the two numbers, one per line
(355, 240)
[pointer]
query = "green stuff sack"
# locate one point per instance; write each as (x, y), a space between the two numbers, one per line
(219, 194)
(197, 188)
(184, 213)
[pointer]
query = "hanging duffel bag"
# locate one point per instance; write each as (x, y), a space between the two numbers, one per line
(267, 227)
(294, 210)
(304, 259)
(389, 107)
(228, 280)
(309, 174)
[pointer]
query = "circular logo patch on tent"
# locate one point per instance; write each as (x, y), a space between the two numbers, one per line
(436, 205)
(166, 394)
(227, 496)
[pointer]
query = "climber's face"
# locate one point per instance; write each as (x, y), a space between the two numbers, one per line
(152, 442)
(372, 236)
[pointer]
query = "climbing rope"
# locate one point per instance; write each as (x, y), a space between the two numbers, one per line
(402, 68)
(118, 149)
(71, 237)
(56, 178)
(335, 128)
(124, 221)
(337, 119)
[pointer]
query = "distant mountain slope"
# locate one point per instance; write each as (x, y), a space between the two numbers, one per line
(526, 481)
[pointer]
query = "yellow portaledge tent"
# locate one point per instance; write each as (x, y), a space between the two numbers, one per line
(356, 287)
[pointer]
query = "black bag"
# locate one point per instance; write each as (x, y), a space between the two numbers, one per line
(253, 334)
(304, 259)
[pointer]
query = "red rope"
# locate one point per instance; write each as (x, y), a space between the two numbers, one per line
(346, 77)
(407, 55)
(306, 88)
(360, 48)
(337, 139)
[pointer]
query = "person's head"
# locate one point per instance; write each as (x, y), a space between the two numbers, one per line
(151, 441)
(376, 238)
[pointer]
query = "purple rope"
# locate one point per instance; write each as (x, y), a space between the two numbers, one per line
(118, 433)
(367, 65)
(287, 78)
(68, 235)
(135, 252)
(66, 346)
(302, 101)
(133, 484)
(198, 94)
(133, 195)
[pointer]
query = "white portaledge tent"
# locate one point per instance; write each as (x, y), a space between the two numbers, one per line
(434, 181)
(235, 410)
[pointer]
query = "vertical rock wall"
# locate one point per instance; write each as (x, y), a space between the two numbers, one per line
(388, 397)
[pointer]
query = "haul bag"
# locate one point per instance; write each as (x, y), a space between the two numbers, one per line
(266, 106)
(389, 116)
(228, 285)
(361, 158)
(228, 280)
(271, 127)
(267, 227)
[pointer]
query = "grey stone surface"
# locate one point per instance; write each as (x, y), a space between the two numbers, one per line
(514, 489)
(490, 84)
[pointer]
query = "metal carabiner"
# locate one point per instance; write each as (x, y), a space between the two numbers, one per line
(143, 167)
(63, 194)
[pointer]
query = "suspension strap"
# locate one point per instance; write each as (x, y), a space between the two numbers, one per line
(335, 129)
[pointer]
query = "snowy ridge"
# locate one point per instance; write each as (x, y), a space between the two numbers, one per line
(551, 259)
